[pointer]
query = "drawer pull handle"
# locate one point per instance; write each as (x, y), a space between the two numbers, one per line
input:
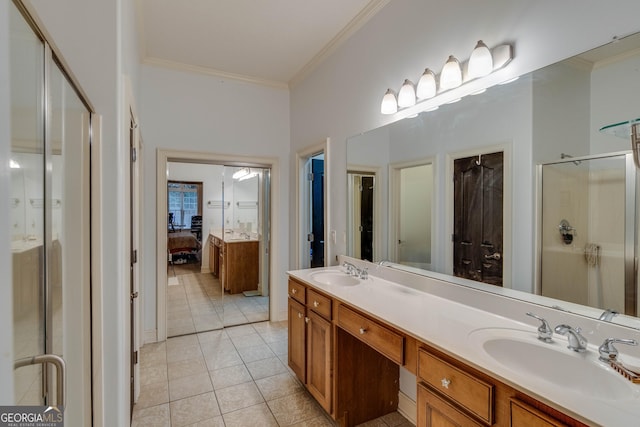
(306, 320)
(316, 303)
(294, 291)
(299, 315)
(362, 331)
(445, 382)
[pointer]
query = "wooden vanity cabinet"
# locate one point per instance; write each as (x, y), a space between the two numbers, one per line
(239, 266)
(450, 393)
(215, 246)
(311, 341)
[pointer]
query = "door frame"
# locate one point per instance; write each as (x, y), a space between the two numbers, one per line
(302, 201)
(394, 204)
(507, 206)
(378, 217)
(163, 157)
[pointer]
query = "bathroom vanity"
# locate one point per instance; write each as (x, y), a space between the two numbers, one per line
(475, 356)
(234, 259)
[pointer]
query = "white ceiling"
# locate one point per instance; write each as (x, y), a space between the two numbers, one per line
(271, 42)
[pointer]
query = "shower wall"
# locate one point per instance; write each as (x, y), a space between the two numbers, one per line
(590, 195)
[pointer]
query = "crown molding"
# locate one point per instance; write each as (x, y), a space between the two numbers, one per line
(213, 72)
(372, 8)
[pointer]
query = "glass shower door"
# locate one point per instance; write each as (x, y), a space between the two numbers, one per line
(587, 232)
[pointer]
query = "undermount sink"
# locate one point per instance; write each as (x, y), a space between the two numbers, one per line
(334, 278)
(520, 352)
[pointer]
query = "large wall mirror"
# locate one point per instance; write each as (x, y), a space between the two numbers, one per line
(567, 188)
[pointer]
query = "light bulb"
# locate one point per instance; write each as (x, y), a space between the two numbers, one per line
(451, 76)
(426, 85)
(407, 94)
(480, 62)
(389, 103)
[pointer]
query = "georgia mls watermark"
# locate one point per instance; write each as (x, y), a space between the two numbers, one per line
(31, 416)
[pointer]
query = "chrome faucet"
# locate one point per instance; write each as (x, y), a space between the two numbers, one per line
(576, 341)
(608, 352)
(384, 262)
(545, 333)
(352, 270)
(608, 315)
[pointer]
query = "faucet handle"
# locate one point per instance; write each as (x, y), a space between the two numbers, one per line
(364, 273)
(607, 350)
(545, 332)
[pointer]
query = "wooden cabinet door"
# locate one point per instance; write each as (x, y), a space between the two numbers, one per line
(297, 339)
(434, 411)
(319, 359)
(523, 415)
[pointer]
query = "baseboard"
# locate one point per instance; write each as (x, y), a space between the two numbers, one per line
(278, 317)
(150, 336)
(204, 269)
(407, 408)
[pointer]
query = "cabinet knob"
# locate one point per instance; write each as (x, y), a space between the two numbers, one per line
(362, 331)
(306, 320)
(294, 291)
(316, 303)
(445, 382)
(299, 315)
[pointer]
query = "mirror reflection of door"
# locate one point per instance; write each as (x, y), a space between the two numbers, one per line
(478, 217)
(414, 188)
(361, 188)
(316, 237)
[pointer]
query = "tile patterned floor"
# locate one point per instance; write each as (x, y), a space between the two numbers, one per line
(236, 376)
(196, 303)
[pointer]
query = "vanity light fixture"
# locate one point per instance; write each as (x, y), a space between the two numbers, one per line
(482, 62)
(407, 94)
(389, 103)
(426, 85)
(451, 75)
(250, 175)
(13, 164)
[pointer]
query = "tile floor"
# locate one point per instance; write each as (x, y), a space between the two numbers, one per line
(196, 303)
(236, 376)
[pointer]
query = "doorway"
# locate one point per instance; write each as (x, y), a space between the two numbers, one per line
(411, 192)
(217, 287)
(50, 226)
(478, 218)
(361, 187)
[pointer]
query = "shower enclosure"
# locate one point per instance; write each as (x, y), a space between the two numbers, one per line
(587, 231)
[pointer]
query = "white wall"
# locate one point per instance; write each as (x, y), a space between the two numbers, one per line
(342, 97)
(201, 113)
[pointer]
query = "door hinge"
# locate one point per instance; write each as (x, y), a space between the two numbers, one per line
(135, 357)
(134, 154)
(310, 237)
(361, 228)
(134, 256)
(310, 176)
(360, 188)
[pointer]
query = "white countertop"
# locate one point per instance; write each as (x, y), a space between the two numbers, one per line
(446, 324)
(234, 237)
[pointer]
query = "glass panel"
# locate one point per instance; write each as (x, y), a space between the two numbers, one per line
(416, 189)
(243, 279)
(583, 232)
(27, 181)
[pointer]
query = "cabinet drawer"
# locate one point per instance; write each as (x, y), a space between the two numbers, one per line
(523, 415)
(381, 338)
(473, 394)
(297, 291)
(436, 411)
(319, 303)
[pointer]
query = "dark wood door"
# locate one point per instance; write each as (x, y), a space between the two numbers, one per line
(477, 238)
(366, 218)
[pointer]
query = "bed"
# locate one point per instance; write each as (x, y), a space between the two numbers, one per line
(182, 243)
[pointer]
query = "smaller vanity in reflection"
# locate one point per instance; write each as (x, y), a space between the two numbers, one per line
(233, 258)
